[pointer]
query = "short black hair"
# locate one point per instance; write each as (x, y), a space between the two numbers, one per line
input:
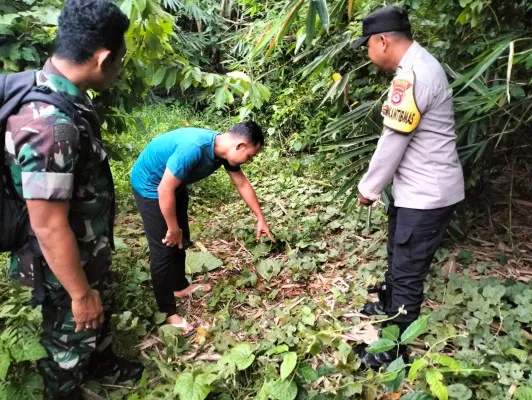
(86, 26)
(249, 130)
(400, 34)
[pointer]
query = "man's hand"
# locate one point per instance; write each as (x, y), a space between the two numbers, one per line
(362, 200)
(263, 230)
(88, 311)
(174, 237)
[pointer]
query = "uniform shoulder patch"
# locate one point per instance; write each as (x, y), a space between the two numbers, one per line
(65, 132)
(400, 111)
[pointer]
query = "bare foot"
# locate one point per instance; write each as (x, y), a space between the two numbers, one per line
(181, 324)
(204, 287)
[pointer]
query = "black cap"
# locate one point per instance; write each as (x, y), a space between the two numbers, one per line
(387, 19)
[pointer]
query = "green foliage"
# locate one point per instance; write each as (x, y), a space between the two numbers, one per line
(201, 262)
(238, 359)
(19, 343)
(414, 330)
(285, 345)
(26, 32)
(489, 75)
(289, 364)
(193, 386)
(268, 269)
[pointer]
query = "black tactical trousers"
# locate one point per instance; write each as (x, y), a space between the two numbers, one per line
(167, 264)
(413, 238)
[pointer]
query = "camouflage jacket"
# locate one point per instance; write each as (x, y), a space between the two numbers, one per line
(52, 157)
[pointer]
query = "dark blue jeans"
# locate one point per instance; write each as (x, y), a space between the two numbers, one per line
(413, 238)
(167, 264)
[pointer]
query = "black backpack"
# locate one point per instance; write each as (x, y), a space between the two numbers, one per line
(15, 90)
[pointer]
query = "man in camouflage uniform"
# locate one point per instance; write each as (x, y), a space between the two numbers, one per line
(60, 168)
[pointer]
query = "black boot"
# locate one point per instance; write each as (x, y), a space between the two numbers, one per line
(375, 361)
(109, 364)
(73, 395)
(378, 307)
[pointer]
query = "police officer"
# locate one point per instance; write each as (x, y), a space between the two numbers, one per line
(60, 168)
(418, 150)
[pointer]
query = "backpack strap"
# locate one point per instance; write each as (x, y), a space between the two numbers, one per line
(46, 95)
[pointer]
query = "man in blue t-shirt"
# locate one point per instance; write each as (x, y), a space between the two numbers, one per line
(159, 178)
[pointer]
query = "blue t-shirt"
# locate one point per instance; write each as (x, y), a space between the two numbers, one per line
(187, 152)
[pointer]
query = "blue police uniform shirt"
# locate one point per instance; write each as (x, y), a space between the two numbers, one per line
(188, 153)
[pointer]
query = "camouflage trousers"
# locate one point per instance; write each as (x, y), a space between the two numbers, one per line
(69, 353)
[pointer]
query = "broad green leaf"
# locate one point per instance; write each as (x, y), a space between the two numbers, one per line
(288, 365)
(141, 5)
(397, 372)
(7, 19)
(186, 81)
(415, 329)
(209, 79)
(282, 348)
(120, 244)
(390, 332)
(435, 381)
(219, 97)
(447, 361)
(5, 361)
(165, 371)
(193, 386)
(229, 99)
(417, 396)
(247, 278)
(158, 77)
(196, 74)
(159, 318)
(524, 393)
(127, 7)
(307, 372)
(269, 268)
(396, 365)
(171, 79)
(28, 348)
(459, 391)
(344, 350)
(351, 388)
(520, 354)
(381, 345)
(307, 317)
(263, 90)
(418, 365)
(201, 262)
(314, 346)
(31, 383)
(239, 357)
(494, 293)
(283, 390)
(243, 356)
